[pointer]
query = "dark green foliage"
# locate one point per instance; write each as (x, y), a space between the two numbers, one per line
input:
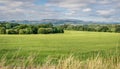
(14, 28)
(95, 27)
(29, 31)
(42, 31)
(11, 31)
(116, 28)
(60, 30)
(103, 29)
(22, 26)
(2, 30)
(49, 25)
(25, 31)
(8, 26)
(34, 29)
(21, 31)
(50, 30)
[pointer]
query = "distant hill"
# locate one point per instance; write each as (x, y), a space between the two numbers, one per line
(60, 21)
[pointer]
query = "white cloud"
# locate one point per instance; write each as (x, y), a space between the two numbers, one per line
(105, 12)
(104, 1)
(87, 10)
(27, 9)
(16, 4)
(71, 4)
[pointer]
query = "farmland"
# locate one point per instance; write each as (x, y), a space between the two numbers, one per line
(78, 43)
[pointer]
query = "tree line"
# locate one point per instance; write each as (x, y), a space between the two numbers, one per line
(14, 28)
(93, 27)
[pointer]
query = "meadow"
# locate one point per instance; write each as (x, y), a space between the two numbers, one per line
(82, 45)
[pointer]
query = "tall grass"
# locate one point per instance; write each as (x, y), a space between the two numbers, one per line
(98, 61)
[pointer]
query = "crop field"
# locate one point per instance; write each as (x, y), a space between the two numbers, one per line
(77, 43)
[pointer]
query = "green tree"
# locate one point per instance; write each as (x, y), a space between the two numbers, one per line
(60, 30)
(11, 31)
(49, 30)
(103, 29)
(22, 31)
(117, 29)
(8, 26)
(41, 31)
(28, 31)
(45, 30)
(2, 30)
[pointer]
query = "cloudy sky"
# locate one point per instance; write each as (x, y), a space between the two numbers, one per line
(88, 10)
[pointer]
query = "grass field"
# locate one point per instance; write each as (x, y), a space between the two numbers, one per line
(78, 43)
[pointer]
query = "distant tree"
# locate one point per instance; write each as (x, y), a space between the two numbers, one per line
(55, 30)
(34, 29)
(8, 26)
(103, 29)
(85, 27)
(70, 27)
(60, 30)
(2, 30)
(25, 31)
(49, 25)
(41, 31)
(16, 31)
(28, 31)
(64, 26)
(23, 26)
(11, 31)
(1, 25)
(117, 29)
(80, 28)
(14, 25)
(49, 30)
(22, 31)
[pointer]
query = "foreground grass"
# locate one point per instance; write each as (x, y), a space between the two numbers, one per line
(110, 61)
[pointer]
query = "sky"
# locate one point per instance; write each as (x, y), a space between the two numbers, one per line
(87, 10)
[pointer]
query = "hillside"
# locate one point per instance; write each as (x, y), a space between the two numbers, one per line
(59, 21)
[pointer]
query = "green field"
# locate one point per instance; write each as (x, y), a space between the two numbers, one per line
(71, 42)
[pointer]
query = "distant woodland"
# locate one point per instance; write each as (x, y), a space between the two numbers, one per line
(94, 27)
(15, 28)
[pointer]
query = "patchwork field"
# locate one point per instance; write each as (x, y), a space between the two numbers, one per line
(44, 45)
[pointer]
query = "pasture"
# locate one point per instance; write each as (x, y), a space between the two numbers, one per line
(78, 43)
